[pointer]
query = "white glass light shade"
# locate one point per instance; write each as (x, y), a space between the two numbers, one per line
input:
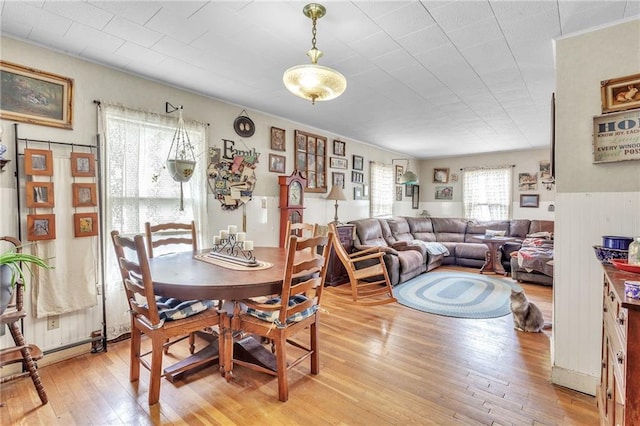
(314, 82)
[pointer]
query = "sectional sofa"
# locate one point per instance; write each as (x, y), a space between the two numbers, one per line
(414, 245)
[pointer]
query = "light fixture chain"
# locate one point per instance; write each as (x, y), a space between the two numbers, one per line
(313, 32)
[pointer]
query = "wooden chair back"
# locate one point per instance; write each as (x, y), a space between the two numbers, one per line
(170, 233)
(369, 282)
(136, 277)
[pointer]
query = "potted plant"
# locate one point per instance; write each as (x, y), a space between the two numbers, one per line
(11, 271)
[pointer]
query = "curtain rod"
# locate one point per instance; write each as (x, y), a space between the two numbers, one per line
(486, 167)
(99, 104)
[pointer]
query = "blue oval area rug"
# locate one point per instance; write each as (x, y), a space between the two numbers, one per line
(457, 294)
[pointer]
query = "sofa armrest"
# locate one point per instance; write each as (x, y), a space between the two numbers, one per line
(405, 246)
(387, 250)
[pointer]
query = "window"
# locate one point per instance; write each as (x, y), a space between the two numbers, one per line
(139, 189)
(487, 193)
(382, 190)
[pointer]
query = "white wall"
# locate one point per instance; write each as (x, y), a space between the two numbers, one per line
(592, 199)
(527, 161)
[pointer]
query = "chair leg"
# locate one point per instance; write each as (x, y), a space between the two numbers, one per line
(281, 365)
(315, 355)
(30, 364)
(155, 373)
(134, 355)
(192, 343)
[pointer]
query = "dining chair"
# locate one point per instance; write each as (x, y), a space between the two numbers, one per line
(369, 282)
(164, 324)
(165, 234)
(22, 352)
(300, 229)
(302, 286)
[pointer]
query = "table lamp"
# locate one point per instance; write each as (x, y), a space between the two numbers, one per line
(337, 195)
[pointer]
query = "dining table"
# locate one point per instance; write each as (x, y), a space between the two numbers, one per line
(185, 276)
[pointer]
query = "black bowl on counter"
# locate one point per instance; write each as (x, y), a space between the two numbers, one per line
(614, 242)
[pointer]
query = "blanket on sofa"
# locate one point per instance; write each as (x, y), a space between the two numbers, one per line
(535, 254)
(432, 247)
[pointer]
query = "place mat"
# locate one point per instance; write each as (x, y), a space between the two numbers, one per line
(219, 262)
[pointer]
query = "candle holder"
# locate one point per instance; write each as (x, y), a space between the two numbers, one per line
(233, 247)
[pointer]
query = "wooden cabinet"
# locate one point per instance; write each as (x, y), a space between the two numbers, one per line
(336, 274)
(619, 392)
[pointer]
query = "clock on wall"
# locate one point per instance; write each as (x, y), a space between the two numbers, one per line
(291, 200)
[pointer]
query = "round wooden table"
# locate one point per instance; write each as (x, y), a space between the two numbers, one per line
(492, 260)
(182, 276)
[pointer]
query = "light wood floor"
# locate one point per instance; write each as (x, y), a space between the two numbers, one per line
(383, 365)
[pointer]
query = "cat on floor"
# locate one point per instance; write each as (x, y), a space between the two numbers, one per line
(526, 315)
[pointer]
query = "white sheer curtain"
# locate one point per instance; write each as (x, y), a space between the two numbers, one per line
(138, 189)
(382, 190)
(487, 193)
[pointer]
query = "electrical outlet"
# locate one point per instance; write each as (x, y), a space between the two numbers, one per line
(53, 322)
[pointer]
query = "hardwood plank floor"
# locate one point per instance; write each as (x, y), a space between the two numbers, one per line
(382, 365)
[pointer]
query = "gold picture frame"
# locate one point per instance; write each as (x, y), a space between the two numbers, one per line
(50, 100)
(277, 163)
(41, 227)
(38, 162)
(619, 94)
(440, 175)
(40, 195)
(83, 164)
(85, 224)
(84, 194)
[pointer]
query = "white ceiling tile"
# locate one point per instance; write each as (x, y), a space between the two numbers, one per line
(27, 13)
(597, 14)
(109, 59)
(73, 46)
(178, 27)
(94, 38)
(393, 60)
(445, 55)
(140, 55)
(375, 9)
(490, 56)
(137, 11)
(459, 14)
(424, 40)
(543, 26)
(518, 10)
(477, 33)
(376, 45)
(15, 28)
(82, 12)
(409, 18)
(131, 31)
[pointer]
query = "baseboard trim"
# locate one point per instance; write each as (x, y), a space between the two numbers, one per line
(49, 359)
(574, 380)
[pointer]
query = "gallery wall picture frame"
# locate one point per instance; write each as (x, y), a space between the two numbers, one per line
(337, 179)
(619, 94)
(357, 177)
(83, 164)
(444, 193)
(440, 175)
(85, 224)
(454, 177)
(408, 190)
(53, 95)
(398, 172)
(38, 162)
(277, 163)
(84, 194)
(278, 139)
(529, 200)
(358, 193)
(339, 147)
(41, 227)
(358, 162)
(545, 169)
(527, 181)
(338, 163)
(398, 193)
(415, 197)
(311, 159)
(40, 195)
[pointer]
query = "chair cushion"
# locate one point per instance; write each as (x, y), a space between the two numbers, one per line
(171, 309)
(272, 316)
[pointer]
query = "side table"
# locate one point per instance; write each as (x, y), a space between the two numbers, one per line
(336, 274)
(492, 261)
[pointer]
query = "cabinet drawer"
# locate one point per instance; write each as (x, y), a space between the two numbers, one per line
(617, 354)
(618, 314)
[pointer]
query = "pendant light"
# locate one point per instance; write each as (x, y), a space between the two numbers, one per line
(312, 81)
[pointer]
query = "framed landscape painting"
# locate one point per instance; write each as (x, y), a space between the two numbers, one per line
(34, 96)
